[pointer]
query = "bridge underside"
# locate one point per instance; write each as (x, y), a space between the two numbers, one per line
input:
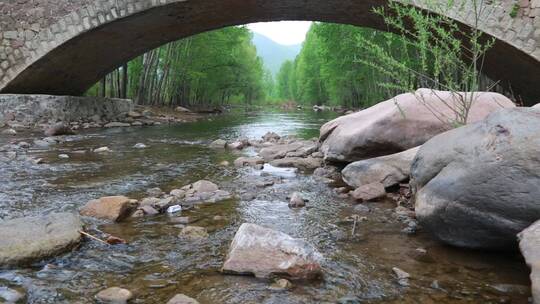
(77, 64)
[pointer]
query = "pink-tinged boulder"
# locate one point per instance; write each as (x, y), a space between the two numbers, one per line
(114, 208)
(266, 253)
(401, 123)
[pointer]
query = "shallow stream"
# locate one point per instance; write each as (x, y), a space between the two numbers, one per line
(156, 264)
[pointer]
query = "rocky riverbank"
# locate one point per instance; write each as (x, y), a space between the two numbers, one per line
(63, 115)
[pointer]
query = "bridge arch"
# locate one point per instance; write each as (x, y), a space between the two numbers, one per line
(64, 47)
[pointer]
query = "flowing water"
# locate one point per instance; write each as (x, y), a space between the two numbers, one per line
(156, 264)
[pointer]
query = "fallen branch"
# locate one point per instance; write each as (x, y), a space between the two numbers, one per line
(93, 237)
(354, 224)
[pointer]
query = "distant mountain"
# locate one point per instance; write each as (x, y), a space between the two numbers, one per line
(273, 53)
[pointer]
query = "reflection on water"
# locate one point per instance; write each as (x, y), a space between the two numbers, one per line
(157, 264)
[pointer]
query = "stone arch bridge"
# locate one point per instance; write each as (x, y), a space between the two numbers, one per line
(64, 46)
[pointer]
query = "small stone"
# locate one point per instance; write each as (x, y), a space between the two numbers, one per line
(204, 186)
(140, 146)
(297, 200)
(178, 193)
(114, 295)
(400, 274)
(9, 132)
(218, 218)
(24, 145)
(369, 192)
(63, 156)
(102, 150)
(218, 144)
(154, 192)
(225, 163)
(149, 210)
(194, 232)
(237, 145)
(38, 161)
(282, 284)
(115, 208)
(182, 299)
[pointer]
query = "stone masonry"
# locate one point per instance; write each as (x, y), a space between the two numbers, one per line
(38, 36)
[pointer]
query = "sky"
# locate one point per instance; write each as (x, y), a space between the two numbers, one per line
(283, 32)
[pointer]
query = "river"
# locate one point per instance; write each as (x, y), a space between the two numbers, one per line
(156, 264)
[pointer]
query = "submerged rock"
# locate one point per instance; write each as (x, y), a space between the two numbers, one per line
(388, 170)
(266, 253)
(400, 123)
(182, 299)
(58, 129)
(194, 232)
(204, 192)
(478, 186)
(28, 239)
(529, 244)
(297, 200)
(114, 295)
(114, 208)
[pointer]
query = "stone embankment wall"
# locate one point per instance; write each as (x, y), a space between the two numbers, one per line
(36, 109)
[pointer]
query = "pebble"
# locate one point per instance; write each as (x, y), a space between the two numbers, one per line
(182, 299)
(140, 146)
(402, 276)
(9, 132)
(102, 150)
(63, 156)
(114, 295)
(225, 163)
(282, 284)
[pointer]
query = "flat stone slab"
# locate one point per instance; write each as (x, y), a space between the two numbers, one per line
(28, 239)
(266, 253)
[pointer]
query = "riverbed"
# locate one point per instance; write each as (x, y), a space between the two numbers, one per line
(156, 264)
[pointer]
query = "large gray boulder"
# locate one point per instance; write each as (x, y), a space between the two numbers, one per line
(536, 106)
(529, 244)
(29, 239)
(266, 253)
(478, 186)
(403, 122)
(388, 170)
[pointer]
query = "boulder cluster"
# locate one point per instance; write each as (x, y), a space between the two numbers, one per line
(472, 184)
